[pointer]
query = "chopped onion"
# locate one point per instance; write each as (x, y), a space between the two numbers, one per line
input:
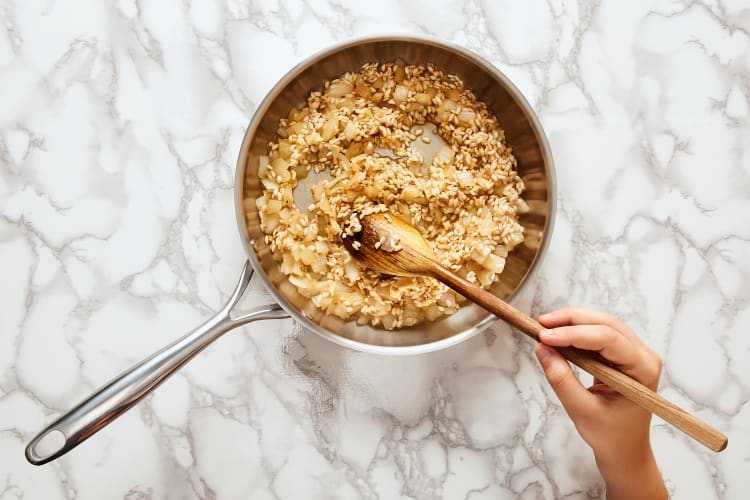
(486, 227)
(319, 264)
(351, 131)
(411, 193)
(388, 322)
(522, 207)
(443, 116)
(339, 88)
(259, 203)
(423, 99)
(398, 71)
(466, 116)
(269, 183)
(350, 268)
(465, 179)
(494, 263)
(330, 127)
(479, 253)
(515, 239)
(500, 251)
(271, 223)
(401, 93)
(449, 105)
(485, 277)
(432, 312)
(299, 281)
(307, 255)
(273, 206)
(263, 165)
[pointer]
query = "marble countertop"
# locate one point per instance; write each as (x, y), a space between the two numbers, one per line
(119, 129)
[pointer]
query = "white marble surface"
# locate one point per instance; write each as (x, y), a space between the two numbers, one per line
(120, 124)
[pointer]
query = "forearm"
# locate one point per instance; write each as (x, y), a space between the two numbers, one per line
(629, 478)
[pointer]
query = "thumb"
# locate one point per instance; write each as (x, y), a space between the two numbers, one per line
(576, 400)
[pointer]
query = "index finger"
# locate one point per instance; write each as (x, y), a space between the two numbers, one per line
(570, 316)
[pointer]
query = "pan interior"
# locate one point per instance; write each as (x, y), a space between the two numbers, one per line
(522, 132)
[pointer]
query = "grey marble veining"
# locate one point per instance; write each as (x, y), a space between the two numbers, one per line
(119, 129)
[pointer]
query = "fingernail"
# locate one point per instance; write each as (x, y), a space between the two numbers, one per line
(545, 316)
(546, 333)
(543, 353)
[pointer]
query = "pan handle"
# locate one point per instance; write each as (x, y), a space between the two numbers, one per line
(127, 389)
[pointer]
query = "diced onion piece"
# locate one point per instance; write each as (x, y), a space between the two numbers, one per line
(299, 282)
(271, 222)
(448, 300)
(389, 322)
(449, 105)
(522, 207)
(350, 131)
(485, 228)
(401, 93)
(281, 169)
(485, 277)
(298, 114)
(411, 315)
(515, 239)
(354, 149)
(494, 263)
(319, 264)
(479, 254)
(432, 312)
(445, 154)
(260, 203)
(339, 88)
(336, 287)
(351, 270)
(362, 90)
(296, 128)
(398, 72)
(347, 102)
(500, 251)
(330, 127)
(423, 98)
(273, 207)
(307, 255)
(322, 301)
(286, 216)
(466, 116)
(269, 183)
(411, 193)
(465, 179)
(301, 170)
(263, 166)
(362, 319)
(285, 149)
(443, 116)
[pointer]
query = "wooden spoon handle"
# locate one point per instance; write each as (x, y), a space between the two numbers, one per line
(592, 363)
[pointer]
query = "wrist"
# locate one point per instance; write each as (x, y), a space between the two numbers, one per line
(633, 474)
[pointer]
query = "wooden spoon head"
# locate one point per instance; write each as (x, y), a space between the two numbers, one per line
(390, 245)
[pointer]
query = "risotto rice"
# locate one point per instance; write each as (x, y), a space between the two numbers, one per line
(465, 201)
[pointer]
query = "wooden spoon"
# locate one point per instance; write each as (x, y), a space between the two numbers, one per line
(390, 245)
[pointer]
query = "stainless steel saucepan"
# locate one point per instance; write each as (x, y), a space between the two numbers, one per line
(532, 152)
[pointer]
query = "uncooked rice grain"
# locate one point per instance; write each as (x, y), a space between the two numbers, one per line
(465, 202)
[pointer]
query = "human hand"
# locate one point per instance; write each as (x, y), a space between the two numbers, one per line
(616, 428)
